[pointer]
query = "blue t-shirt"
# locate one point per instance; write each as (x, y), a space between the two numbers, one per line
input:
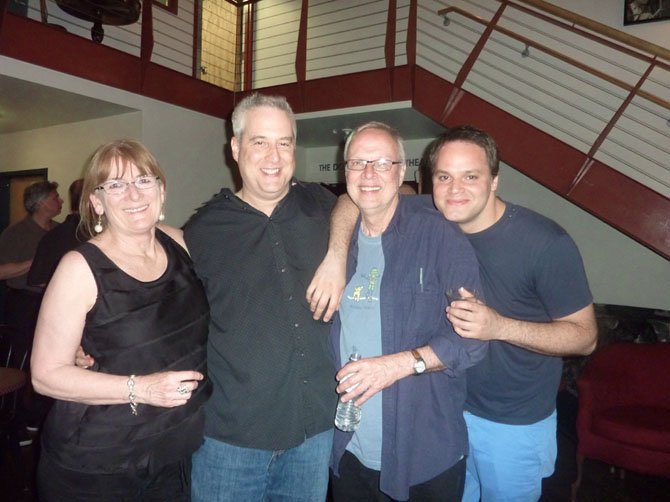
(530, 270)
(362, 332)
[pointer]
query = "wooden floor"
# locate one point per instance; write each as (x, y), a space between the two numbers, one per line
(599, 484)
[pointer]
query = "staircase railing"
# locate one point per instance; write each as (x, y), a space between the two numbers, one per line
(602, 91)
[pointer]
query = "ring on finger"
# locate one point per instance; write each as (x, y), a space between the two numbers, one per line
(182, 389)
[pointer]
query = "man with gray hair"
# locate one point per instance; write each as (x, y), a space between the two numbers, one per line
(410, 383)
(269, 422)
(18, 244)
(57, 241)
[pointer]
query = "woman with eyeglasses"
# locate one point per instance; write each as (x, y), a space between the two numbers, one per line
(125, 428)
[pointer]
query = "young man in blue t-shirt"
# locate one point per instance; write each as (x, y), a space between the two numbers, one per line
(537, 308)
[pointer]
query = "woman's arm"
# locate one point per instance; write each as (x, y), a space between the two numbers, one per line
(58, 336)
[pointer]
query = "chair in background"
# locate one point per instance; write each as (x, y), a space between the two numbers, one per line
(624, 409)
(12, 382)
(10, 359)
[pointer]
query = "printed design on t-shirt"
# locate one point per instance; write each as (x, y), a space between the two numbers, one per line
(366, 293)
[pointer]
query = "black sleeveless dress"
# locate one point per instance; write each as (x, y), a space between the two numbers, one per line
(136, 328)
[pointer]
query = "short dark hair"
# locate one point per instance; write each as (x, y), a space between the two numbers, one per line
(36, 193)
(469, 134)
(75, 194)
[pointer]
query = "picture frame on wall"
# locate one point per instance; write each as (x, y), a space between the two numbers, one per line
(645, 11)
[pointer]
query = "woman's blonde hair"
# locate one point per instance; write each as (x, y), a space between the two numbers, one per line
(112, 160)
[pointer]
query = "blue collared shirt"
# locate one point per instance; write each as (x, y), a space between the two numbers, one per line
(423, 431)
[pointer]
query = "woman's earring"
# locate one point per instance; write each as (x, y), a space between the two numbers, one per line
(161, 217)
(98, 226)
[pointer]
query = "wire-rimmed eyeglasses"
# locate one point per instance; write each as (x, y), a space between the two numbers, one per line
(378, 165)
(117, 187)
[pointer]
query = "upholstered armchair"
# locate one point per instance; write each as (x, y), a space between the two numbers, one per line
(624, 409)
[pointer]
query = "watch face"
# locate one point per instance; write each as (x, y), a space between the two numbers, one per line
(420, 366)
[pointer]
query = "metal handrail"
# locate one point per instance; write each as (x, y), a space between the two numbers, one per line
(596, 73)
(602, 29)
(641, 60)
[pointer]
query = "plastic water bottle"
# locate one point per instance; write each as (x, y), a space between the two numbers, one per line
(348, 415)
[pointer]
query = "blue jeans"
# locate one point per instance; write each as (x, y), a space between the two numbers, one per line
(508, 462)
(223, 472)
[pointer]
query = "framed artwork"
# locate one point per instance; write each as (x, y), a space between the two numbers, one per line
(169, 5)
(645, 11)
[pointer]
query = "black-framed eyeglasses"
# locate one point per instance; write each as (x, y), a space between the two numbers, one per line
(378, 165)
(117, 187)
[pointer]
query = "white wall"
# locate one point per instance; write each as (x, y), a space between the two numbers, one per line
(620, 271)
(554, 95)
(607, 12)
(65, 149)
(343, 37)
(610, 12)
(189, 145)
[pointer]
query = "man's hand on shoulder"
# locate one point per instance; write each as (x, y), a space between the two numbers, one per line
(325, 290)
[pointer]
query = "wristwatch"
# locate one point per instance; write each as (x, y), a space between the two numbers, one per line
(419, 363)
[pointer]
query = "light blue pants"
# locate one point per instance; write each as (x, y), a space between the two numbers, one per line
(223, 472)
(508, 462)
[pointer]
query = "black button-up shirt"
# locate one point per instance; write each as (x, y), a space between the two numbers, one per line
(267, 358)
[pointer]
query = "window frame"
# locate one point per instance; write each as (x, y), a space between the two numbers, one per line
(168, 5)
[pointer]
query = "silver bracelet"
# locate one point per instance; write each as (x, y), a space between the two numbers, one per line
(131, 394)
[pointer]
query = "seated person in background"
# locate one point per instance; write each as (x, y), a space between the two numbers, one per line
(18, 244)
(57, 241)
(126, 428)
(404, 257)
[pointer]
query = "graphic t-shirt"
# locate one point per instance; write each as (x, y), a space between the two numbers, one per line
(361, 332)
